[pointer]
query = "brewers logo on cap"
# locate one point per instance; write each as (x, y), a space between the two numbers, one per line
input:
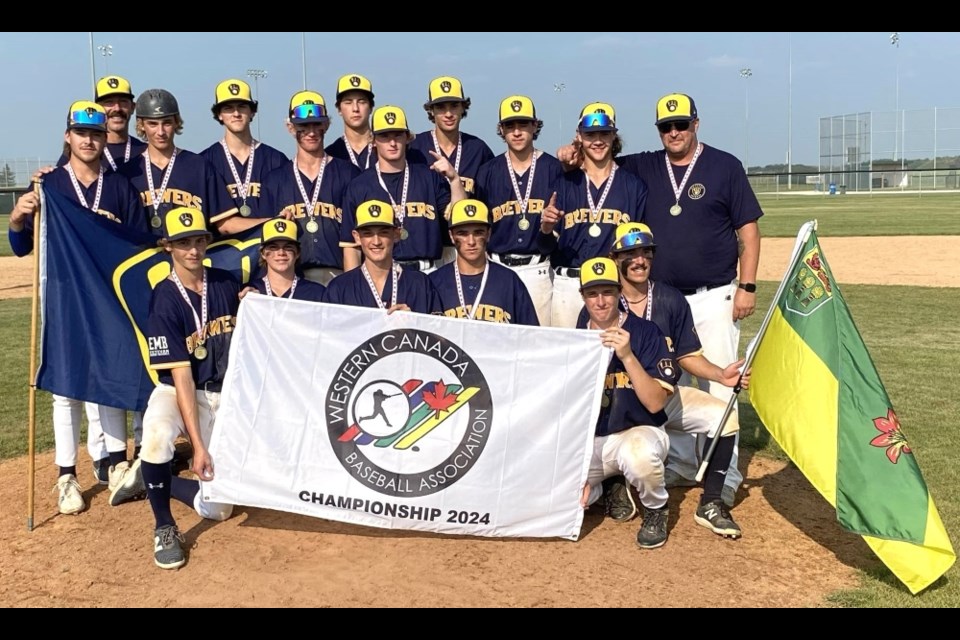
(375, 213)
(184, 222)
(84, 114)
(445, 89)
(353, 82)
(232, 90)
(631, 235)
(598, 271)
(599, 107)
(389, 118)
(469, 211)
(279, 229)
(517, 108)
(308, 107)
(113, 86)
(674, 107)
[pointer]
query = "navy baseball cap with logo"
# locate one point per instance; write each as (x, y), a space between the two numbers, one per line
(184, 222)
(674, 107)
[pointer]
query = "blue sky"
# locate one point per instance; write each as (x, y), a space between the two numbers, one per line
(832, 73)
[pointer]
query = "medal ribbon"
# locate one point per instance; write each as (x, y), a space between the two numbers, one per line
(311, 202)
(476, 301)
(649, 311)
(436, 147)
(157, 201)
(394, 277)
(401, 209)
(677, 191)
(109, 156)
(242, 189)
(595, 208)
(293, 287)
(353, 155)
(201, 321)
(525, 200)
(79, 191)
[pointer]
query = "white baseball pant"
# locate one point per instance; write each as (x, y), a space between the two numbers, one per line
(537, 277)
(567, 301)
(637, 453)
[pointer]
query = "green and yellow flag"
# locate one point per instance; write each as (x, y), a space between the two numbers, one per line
(817, 391)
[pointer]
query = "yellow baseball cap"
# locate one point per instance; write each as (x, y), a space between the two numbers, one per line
(307, 107)
(631, 235)
(184, 222)
(599, 107)
(469, 211)
(375, 213)
(232, 90)
(84, 114)
(444, 89)
(599, 271)
(675, 106)
(389, 118)
(113, 86)
(517, 108)
(278, 229)
(353, 82)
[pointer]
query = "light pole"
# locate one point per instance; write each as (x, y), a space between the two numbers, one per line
(106, 51)
(93, 65)
(745, 73)
(790, 118)
(559, 88)
(256, 74)
(895, 41)
(303, 57)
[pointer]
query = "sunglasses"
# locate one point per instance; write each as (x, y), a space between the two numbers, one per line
(304, 111)
(679, 125)
(633, 240)
(595, 121)
(90, 117)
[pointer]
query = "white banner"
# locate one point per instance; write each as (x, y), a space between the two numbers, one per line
(407, 421)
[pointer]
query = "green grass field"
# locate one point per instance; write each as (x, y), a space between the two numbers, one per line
(4, 242)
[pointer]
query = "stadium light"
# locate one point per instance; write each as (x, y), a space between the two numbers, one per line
(256, 74)
(106, 50)
(559, 88)
(746, 73)
(895, 41)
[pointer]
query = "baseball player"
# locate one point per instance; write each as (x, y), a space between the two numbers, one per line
(241, 161)
(689, 410)
(380, 282)
(630, 439)
(84, 180)
(279, 254)
(594, 200)
(167, 177)
(191, 320)
(310, 189)
(516, 186)
(474, 287)
(446, 107)
(419, 195)
(355, 103)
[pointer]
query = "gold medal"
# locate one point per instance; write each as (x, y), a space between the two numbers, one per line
(312, 226)
(594, 230)
(675, 210)
(245, 211)
(404, 234)
(156, 222)
(200, 352)
(524, 224)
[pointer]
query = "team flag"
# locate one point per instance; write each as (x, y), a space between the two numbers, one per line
(96, 278)
(818, 392)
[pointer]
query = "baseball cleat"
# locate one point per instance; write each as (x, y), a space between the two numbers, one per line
(101, 470)
(70, 501)
(167, 552)
(653, 532)
(618, 499)
(126, 482)
(715, 515)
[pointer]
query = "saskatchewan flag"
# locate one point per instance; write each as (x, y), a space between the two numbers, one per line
(817, 391)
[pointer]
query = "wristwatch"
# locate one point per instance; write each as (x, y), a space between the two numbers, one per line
(749, 287)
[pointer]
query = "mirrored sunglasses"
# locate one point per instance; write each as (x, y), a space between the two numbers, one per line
(305, 111)
(633, 240)
(596, 120)
(90, 117)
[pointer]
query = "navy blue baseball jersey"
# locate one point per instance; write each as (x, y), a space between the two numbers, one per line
(306, 290)
(364, 160)
(319, 248)
(193, 183)
(265, 160)
(505, 297)
(672, 315)
(414, 289)
(117, 151)
(583, 234)
(495, 189)
(698, 247)
(119, 202)
(172, 328)
(428, 196)
(621, 409)
(475, 152)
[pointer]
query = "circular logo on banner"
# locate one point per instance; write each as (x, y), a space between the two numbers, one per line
(408, 413)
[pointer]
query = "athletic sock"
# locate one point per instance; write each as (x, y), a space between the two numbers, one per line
(116, 457)
(157, 479)
(717, 469)
(68, 471)
(185, 490)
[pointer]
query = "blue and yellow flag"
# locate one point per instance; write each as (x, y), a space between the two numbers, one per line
(96, 279)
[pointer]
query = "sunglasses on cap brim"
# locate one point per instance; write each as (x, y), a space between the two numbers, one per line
(91, 118)
(597, 121)
(308, 111)
(634, 240)
(679, 125)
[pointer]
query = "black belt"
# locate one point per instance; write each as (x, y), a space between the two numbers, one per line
(212, 387)
(518, 261)
(570, 272)
(417, 265)
(696, 290)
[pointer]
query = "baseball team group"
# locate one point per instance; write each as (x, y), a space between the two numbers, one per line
(656, 251)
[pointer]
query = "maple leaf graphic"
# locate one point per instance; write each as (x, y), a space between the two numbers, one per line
(438, 400)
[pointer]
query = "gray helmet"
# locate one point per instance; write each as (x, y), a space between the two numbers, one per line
(157, 103)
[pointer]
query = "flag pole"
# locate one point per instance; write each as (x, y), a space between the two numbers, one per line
(802, 236)
(32, 393)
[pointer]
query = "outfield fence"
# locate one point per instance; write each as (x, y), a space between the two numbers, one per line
(871, 181)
